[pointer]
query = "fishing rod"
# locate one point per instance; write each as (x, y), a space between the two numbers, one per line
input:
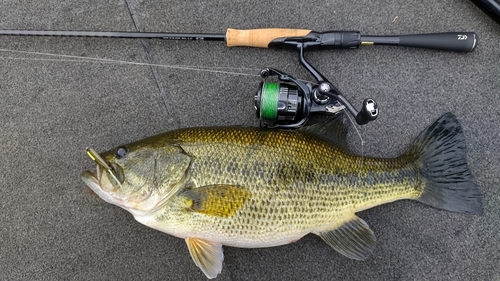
(289, 102)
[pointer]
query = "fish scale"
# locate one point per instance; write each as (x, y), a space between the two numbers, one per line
(251, 187)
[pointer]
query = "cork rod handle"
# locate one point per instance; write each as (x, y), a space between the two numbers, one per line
(260, 37)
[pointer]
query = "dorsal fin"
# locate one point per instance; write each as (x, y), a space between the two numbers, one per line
(334, 130)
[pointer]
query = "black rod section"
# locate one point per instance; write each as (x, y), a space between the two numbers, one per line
(490, 7)
(113, 34)
(449, 41)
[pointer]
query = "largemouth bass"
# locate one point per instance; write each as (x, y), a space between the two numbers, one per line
(250, 187)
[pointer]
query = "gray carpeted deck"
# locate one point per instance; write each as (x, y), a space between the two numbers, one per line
(54, 228)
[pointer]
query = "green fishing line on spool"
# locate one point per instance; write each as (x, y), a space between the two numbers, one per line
(269, 101)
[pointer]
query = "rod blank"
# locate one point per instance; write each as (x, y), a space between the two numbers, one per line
(116, 34)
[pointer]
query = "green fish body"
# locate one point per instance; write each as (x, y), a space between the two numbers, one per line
(250, 187)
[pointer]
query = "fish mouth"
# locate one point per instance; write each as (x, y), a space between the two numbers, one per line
(113, 170)
(99, 182)
(92, 181)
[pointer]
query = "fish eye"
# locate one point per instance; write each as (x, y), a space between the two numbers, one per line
(121, 152)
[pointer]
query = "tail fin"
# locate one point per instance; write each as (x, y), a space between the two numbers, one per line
(440, 150)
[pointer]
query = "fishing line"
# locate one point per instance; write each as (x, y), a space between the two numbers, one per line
(73, 58)
(357, 132)
(362, 158)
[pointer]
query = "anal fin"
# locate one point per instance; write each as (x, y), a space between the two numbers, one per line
(208, 256)
(354, 239)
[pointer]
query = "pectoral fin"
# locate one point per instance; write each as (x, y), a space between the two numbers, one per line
(354, 239)
(206, 255)
(216, 200)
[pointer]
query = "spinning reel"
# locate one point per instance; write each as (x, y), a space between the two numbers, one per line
(288, 103)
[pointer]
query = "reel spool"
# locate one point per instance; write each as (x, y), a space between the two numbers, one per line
(277, 101)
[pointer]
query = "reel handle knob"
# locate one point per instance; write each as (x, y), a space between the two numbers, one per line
(368, 112)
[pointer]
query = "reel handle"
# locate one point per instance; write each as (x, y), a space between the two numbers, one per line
(368, 112)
